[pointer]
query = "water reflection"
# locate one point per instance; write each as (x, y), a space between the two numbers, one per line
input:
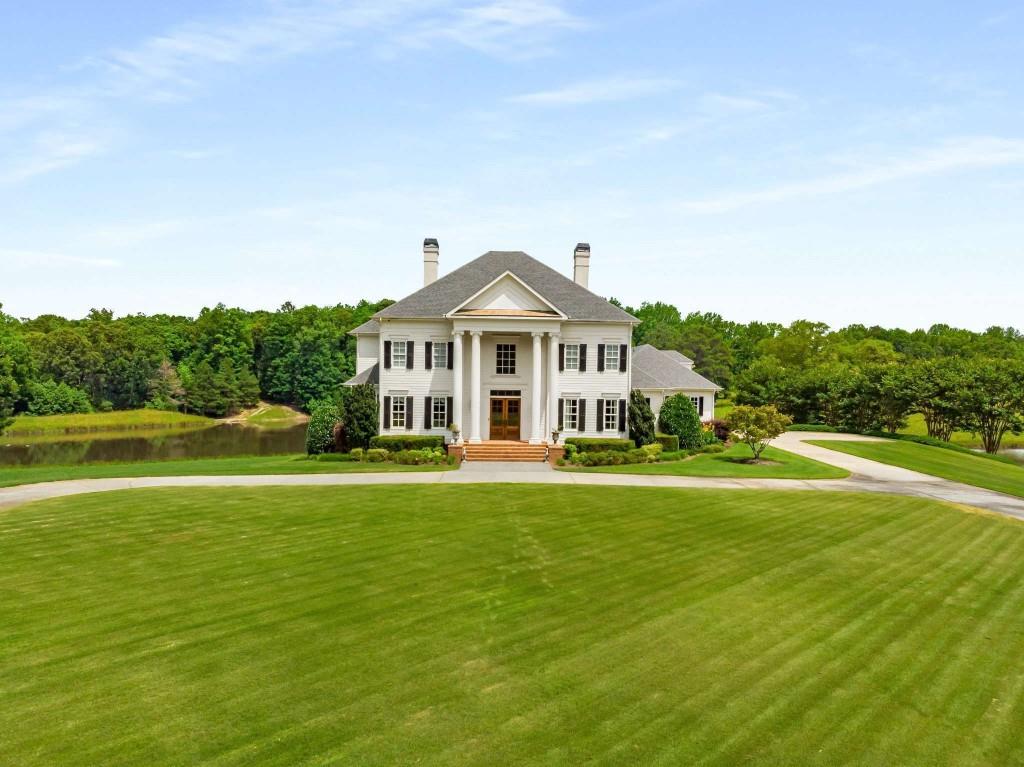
(215, 442)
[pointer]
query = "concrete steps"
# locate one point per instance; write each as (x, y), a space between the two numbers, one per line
(505, 451)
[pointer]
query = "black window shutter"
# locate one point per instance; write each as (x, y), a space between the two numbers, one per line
(600, 358)
(600, 415)
(387, 355)
(583, 358)
(449, 408)
(387, 411)
(428, 412)
(561, 413)
(623, 351)
(451, 355)
(581, 414)
(700, 408)
(622, 415)
(408, 412)
(561, 358)
(410, 347)
(428, 355)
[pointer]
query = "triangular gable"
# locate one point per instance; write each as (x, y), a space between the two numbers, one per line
(507, 296)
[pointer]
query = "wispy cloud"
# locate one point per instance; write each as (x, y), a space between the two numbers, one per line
(35, 258)
(617, 88)
(954, 155)
(50, 151)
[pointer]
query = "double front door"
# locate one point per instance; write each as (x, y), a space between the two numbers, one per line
(505, 418)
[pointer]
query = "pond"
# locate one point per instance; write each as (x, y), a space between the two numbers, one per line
(222, 440)
(1016, 454)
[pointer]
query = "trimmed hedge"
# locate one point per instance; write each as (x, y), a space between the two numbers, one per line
(395, 443)
(601, 444)
(824, 428)
(668, 441)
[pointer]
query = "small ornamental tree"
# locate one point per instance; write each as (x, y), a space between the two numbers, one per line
(992, 400)
(678, 416)
(362, 414)
(641, 419)
(325, 416)
(756, 427)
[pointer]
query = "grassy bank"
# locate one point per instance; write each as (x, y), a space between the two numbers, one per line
(469, 625)
(273, 464)
(916, 426)
(117, 420)
(734, 462)
(939, 462)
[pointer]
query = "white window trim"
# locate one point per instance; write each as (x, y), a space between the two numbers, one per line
(443, 399)
(608, 350)
(398, 403)
(442, 347)
(611, 414)
(576, 366)
(575, 400)
(394, 353)
(514, 358)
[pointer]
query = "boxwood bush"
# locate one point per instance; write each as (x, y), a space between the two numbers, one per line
(600, 444)
(668, 441)
(397, 442)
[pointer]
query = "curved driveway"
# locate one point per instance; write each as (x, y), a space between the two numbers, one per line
(866, 476)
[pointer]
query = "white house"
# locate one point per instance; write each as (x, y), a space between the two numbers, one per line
(508, 349)
(660, 374)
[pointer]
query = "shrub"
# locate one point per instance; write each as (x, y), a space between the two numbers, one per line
(668, 441)
(336, 457)
(715, 447)
(357, 454)
(720, 429)
(376, 455)
(757, 426)
(320, 431)
(396, 442)
(674, 455)
(708, 437)
(653, 450)
(362, 414)
(641, 419)
(570, 450)
(678, 416)
(51, 398)
(600, 444)
(822, 427)
(418, 457)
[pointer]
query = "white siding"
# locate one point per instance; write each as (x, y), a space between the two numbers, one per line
(367, 349)
(658, 397)
(417, 382)
(593, 385)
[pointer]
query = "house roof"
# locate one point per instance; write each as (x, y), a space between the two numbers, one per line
(368, 328)
(371, 376)
(657, 369)
(679, 357)
(443, 295)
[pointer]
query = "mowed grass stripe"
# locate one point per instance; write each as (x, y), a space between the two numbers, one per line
(489, 625)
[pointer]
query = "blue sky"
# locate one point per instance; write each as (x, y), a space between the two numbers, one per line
(855, 162)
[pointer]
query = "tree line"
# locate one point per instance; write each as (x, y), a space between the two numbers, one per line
(856, 377)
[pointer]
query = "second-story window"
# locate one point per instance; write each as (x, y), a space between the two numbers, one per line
(572, 356)
(506, 363)
(398, 354)
(611, 357)
(440, 355)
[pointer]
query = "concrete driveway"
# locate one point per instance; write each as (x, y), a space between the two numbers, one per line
(867, 476)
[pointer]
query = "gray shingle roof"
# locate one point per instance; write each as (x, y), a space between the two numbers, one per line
(446, 293)
(656, 369)
(679, 357)
(370, 327)
(371, 375)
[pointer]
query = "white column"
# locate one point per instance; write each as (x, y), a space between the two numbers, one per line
(457, 384)
(536, 395)
(553, 340)
(474, 391)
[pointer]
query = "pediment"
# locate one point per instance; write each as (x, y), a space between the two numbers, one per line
(507, 296)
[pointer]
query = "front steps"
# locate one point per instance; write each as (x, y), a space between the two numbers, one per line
(505, 451)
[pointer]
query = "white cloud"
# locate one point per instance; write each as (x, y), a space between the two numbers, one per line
(954, 155)
(50, 151)
(616, 88)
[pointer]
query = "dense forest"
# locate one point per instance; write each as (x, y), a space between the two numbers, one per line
(857, 377)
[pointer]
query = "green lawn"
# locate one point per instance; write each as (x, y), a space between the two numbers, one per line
(275, 417)
(271, 464)
(118, 420)
(778, 464)
(917, 427)
(939, 462)
(483, 625)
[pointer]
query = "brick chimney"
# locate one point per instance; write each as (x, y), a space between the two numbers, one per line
(430, 257)
(581, 264)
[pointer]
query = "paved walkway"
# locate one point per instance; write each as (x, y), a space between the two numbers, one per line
(866, 476)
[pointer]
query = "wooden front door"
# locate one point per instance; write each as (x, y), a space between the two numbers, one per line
(504, 418)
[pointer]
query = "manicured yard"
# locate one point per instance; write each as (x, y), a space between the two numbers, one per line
(485, 625)
(948, 464)
(779, 464)
(272, 464)
(917, 427)
(118, 420)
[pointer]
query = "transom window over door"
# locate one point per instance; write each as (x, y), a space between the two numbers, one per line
(398, 354)
(506, 359)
